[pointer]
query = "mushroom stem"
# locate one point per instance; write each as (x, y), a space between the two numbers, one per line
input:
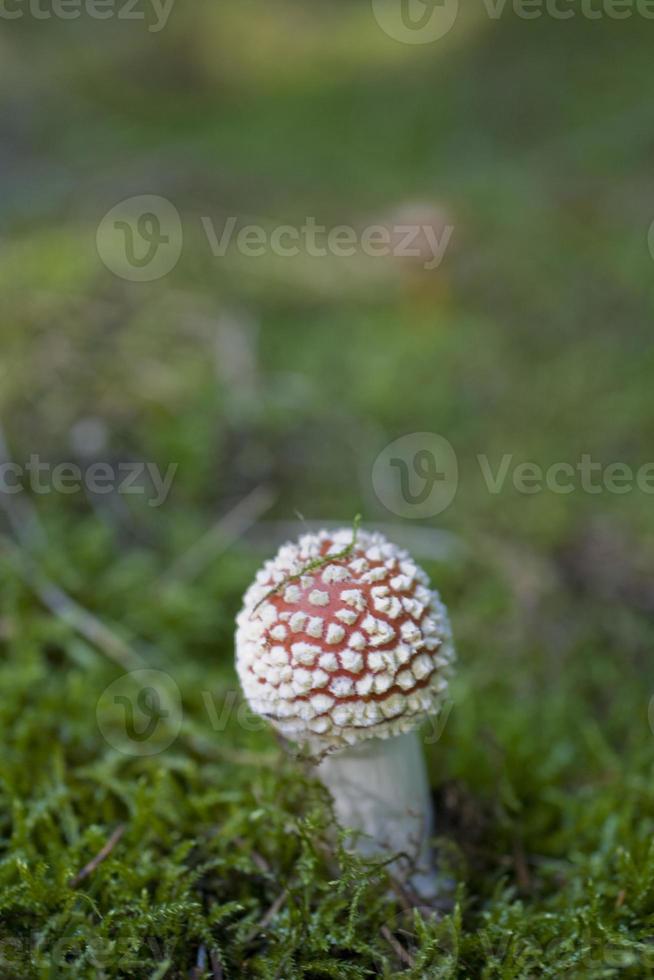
(380, 787)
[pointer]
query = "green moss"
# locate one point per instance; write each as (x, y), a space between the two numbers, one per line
(532, 339)
(544, 796)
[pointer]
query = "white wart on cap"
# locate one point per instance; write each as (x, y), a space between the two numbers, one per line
(357, 648)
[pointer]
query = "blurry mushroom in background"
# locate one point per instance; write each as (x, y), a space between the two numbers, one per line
(420, 236)
(342, 645)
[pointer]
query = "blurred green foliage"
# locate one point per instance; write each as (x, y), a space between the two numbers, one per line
(533, 338)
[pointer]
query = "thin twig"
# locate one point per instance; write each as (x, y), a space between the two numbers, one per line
(402, 894)
(227, 530)
(269, 916)
(397, 946)
(89, 626)
(521, 867)
(81, 620)
(99, 857)
(216, 965)
(230, 528)
(257, 858)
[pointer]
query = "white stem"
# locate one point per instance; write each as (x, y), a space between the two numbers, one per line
(380, 787)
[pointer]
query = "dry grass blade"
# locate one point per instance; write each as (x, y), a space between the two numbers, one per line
(397, 946)
(102, 855)
(228, 529)
(81, 620)
(268, 917)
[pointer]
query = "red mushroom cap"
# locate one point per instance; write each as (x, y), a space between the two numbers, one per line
(339, 641)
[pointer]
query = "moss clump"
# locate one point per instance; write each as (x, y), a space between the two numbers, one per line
(223, 856)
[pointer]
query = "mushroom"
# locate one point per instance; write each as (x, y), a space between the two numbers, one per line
(344, 647)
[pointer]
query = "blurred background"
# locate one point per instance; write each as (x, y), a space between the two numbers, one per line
(271, 383)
